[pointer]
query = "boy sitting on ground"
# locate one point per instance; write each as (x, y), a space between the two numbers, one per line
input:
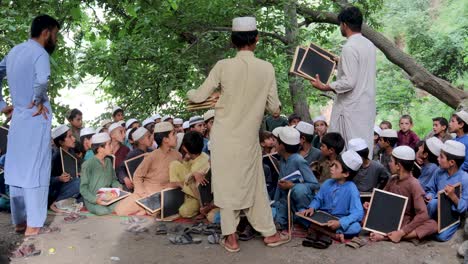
(332, 145)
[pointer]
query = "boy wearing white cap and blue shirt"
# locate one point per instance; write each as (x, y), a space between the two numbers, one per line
(85, 139)
(371, 174)
(302, 192)
(426, 156)
(97, 173)
(459, 125)
(307, 151)
(339, 197)
(450, 173)
(416, 223)
(240, 182)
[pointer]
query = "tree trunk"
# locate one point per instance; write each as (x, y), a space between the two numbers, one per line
(296, 86)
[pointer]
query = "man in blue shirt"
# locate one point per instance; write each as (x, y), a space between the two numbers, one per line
(27, 68)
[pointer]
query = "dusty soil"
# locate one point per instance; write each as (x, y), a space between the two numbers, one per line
(104, 240)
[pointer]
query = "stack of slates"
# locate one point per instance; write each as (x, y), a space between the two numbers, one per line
(208, 104)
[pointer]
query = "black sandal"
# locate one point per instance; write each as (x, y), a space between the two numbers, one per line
(184, 239)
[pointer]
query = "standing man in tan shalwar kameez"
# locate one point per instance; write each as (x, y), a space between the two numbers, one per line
(248, 86)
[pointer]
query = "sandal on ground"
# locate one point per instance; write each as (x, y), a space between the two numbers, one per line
(247, 234)
(25, 251)
(196, 229)
(318, 244)
(284, 238)
(161, 229)
(356, 243)
(73, 218)
(184, 239)
(213, 238)
(222, 242)
(45, 230)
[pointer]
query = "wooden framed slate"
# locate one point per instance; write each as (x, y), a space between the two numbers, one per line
(151, 203)
(3, 139)
(132, 164)
(386, 211)
(446, 217)
(171, 200)
(323, 51)
(204, 192)
(314, 63)
(320, 218)
(69, 163)
(298, 55)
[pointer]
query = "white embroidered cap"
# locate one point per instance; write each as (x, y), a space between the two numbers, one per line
(454, 147)
(115, 109)
(178, 121)
(357, 144)
(389, 133)
(186, 125)
(209, 114)
(434, 144)
(276, 131)
(165, 118)
(163, 127)
(60, 130)
(404, 153)
(139, 133)
(290, 136)
(113, 126)
(377, 130)
(305, 128)
(130, 122)
(463, 115)
(352, 160)
(319, 118)
(87, 131)
(156, 116)
(147, 121)
(244, 24)
(195, 120)
(100, 138)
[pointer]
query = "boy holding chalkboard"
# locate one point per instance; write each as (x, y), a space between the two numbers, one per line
(98, 173)
(190, 172)
(426, 157)
(371, 174)
(152, 175)
(332, 145)
(387, 141)
(416, 223)
(339, 197)
(62, 185)
(450, 173)
(302, 192)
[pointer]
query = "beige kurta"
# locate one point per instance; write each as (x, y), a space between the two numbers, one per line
(248, 87)
(354, 111)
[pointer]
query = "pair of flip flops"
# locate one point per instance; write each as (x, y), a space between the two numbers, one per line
(136, 229)
(318, 241)
(184, 239)
(25, 250)
(73, 218)
(356, 243)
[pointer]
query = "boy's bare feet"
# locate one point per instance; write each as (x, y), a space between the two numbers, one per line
(377, 237)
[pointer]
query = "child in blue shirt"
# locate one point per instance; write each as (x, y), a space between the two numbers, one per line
(426, 156)
(339, 197)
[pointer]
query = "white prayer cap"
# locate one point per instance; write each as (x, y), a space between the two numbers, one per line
(163, 127)
(377, 130)
(180, 137)
(87, 131)
(99, 130)
(147, 121)
(60, 130)
(305, 128)
(243, 24)
(319, 118)
(357, 144)
(404, 153)
(139, 133)
(165, 118)
(290, 136)
(276, 131)
(186, 125)
(209, 114)
(389, 133)
(178, 121)
(100, 138)
(352, 159)
(115, 109)
(130, 122)
(454, 147)
(463, 115)
(195, 120)
(121, 123)
(105, 122)
(156, 116)
(113, 126)
(434, 144)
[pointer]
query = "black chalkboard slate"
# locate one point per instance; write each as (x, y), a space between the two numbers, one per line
(171, 201)
(320, 218)
(324, 52)
(386, 211)
(314, 63)
(132, 164)
(69, 163)
(298, 55)
(3, 140)
(446, 217)
(151, 203)
(205, 192)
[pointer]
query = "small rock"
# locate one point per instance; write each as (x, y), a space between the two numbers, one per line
(114, 258)
(463, 248)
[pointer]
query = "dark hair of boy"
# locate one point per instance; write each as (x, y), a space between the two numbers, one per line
(264, 135)
(60, 139)
(116, 112)
(385, 122)
(95, 147)
(308, 138)
(352, 17)
(335, 141)
(391, 141)
(82, 139)
(292, 117)
(410, 119)
(158, 137)
(43, 22)
(458, 160)
(245, 38)
(345, 169)
(459, 120)
(364, 153)
(442, 121)
(406, 164)
(74, 113)
(289, 148)
(193, 142)
(431, 157)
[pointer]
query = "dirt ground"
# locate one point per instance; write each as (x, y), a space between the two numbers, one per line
(104, 240)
